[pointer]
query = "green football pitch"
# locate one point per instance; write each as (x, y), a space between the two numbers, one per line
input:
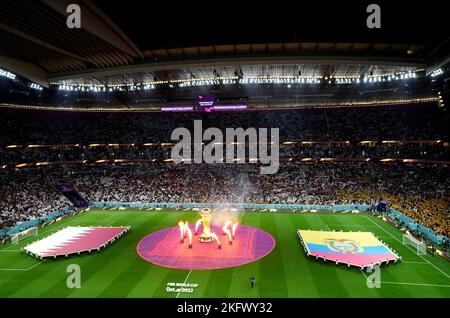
(118, 271)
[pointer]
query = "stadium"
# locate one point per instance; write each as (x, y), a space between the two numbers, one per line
(238, 166)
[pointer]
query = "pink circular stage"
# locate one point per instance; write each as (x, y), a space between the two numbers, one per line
(163, 248)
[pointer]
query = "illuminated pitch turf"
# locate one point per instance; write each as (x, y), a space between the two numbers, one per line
(286, 271)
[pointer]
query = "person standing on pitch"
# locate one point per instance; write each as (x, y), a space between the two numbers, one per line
(252, 280)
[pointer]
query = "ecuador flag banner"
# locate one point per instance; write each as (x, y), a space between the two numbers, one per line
(354, 248)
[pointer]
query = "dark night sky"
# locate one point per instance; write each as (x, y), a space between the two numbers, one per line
(184, 23)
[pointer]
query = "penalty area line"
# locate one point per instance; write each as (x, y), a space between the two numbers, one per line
(51, 231)
(409, 248)
(190, 271)
(407, 283)
(45, 230)
(414, 262)
(351, 225)
(21, 269)
(416, 284)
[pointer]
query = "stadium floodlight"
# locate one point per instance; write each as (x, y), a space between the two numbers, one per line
(437, 72)
(245, 80)
(421, 248)
(7, 74)
(36, 86)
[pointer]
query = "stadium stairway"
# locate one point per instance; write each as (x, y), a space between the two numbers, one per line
(69, 191)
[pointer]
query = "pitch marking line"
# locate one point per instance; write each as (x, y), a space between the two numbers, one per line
(190, 271)
(21, 269)
(409, 248)
(30, 268)
(348, 225)
(413, 284)
(75, 221)
(6, 249)
(41, 233)
(416, 284)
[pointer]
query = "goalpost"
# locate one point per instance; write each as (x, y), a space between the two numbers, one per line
(421, 248)
(32, 231)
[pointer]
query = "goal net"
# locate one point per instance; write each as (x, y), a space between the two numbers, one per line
(421, 248)
(32, 231)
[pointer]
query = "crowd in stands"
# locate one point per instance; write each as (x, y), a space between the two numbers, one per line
(414, 132)
(426, 122)
(422, 151)
(25, 198)
(419, 191)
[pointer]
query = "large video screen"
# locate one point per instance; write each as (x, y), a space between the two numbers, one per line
(206, 103)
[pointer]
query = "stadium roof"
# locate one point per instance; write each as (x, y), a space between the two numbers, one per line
(134, 43)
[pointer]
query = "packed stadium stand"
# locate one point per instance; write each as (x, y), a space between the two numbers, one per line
(74, 240)
(91, 160)
(168, 151)
(95, 110)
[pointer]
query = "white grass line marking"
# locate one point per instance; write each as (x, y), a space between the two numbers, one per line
(27, 238)
(52, 231)
(416, 284)
(30, 268)
(91, 224)
(75, 221)
(190, 271)
(404, 283)
(35, 265)
(349, 225)
(21, 269)
(412, 262)
(446, 275)
(44, 230)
